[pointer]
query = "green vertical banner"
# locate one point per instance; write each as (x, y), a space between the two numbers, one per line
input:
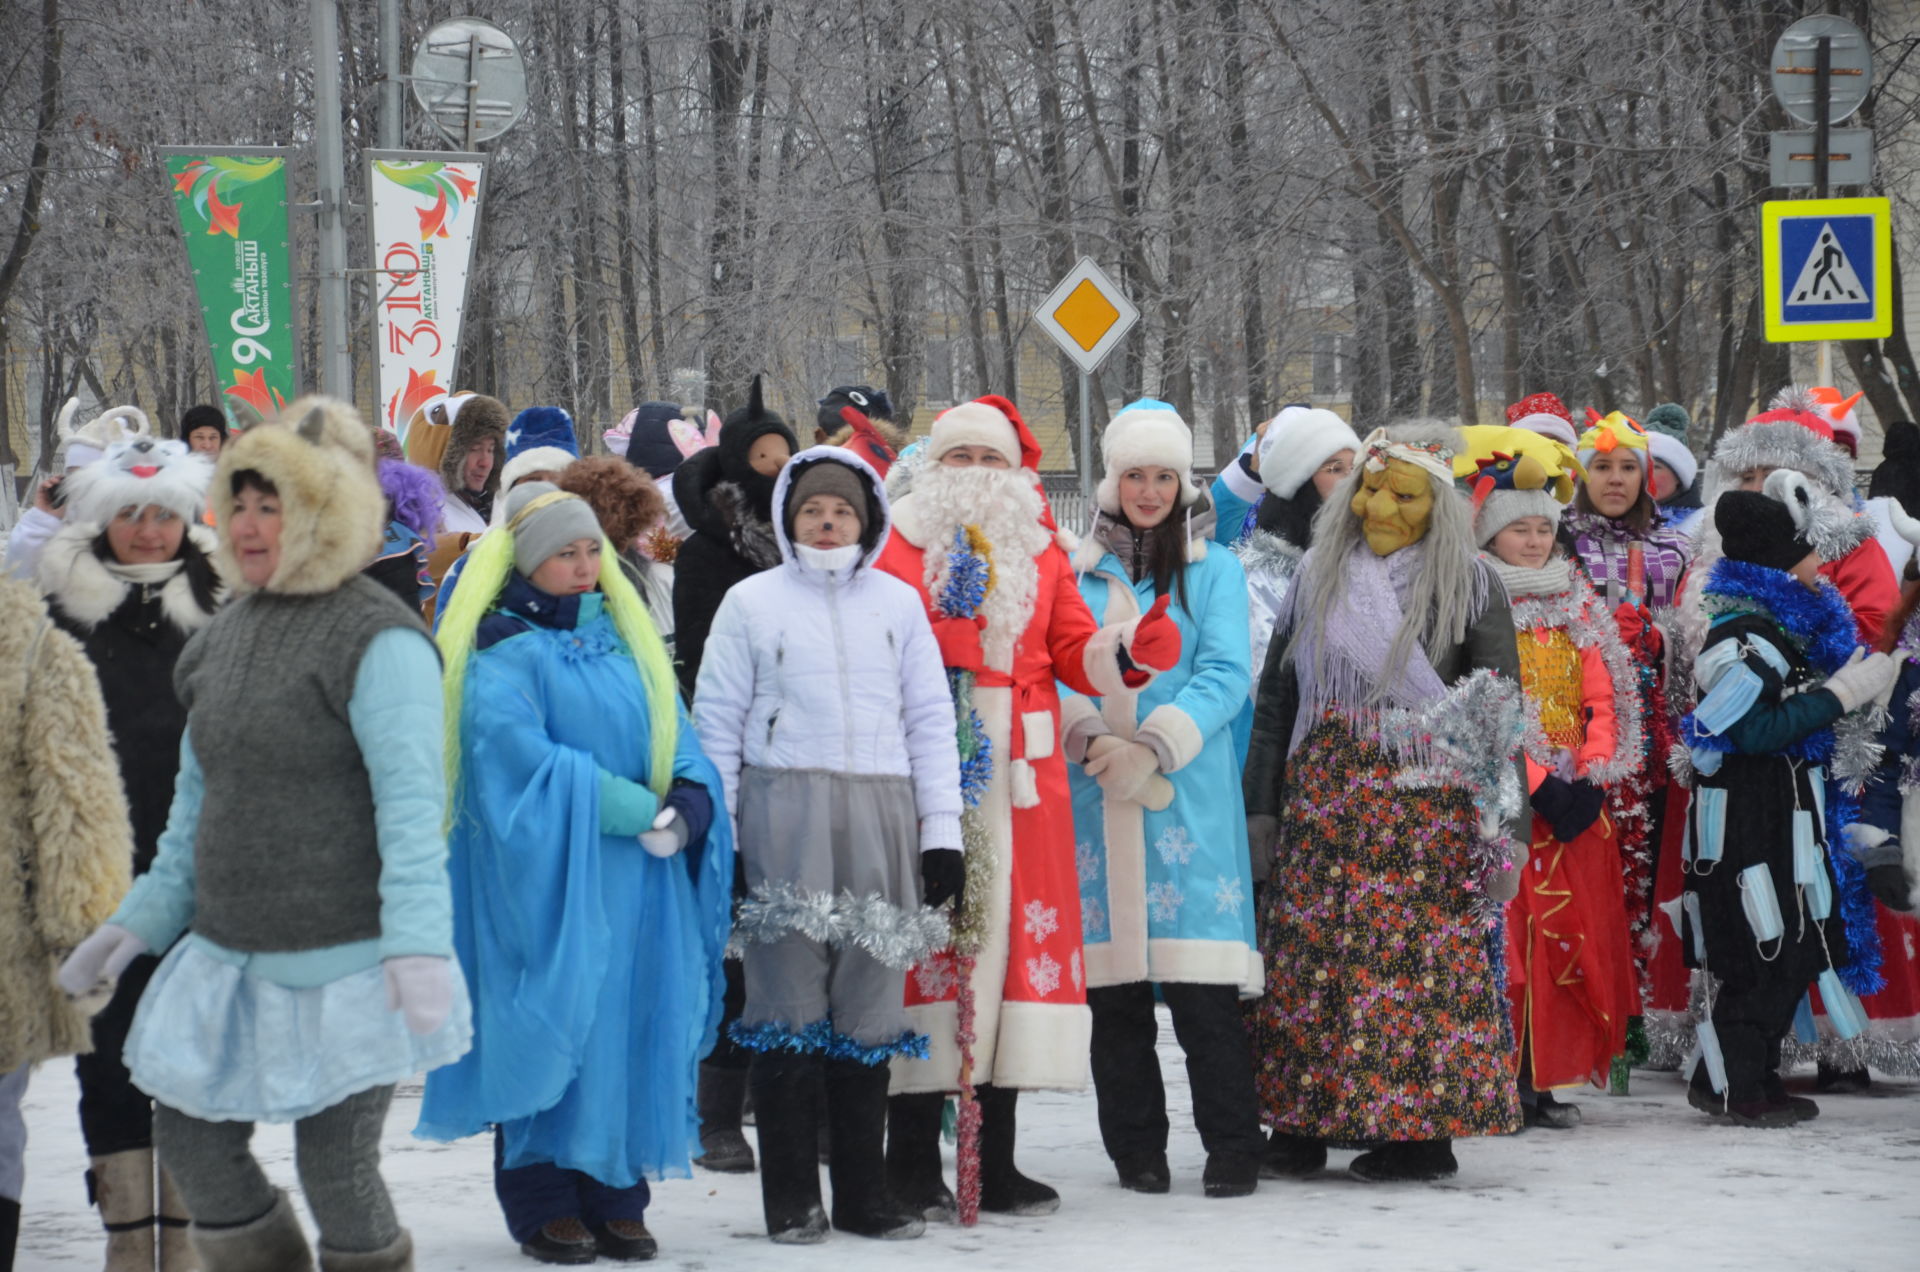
(233, 215)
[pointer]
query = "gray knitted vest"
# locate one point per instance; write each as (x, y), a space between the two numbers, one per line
(286, 856)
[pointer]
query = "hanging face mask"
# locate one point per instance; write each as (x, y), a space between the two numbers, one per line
(1803, 1027)
(1690, 902)
(1710, 824)
(1761, 904)
(1711, 1056)
(1817, 778)
(1810, 867)
(1844, 1012)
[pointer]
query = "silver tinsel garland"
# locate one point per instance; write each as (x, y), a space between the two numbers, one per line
(1578, 612)
(897, 938)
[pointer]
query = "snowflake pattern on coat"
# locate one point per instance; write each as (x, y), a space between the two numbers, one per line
(1175, 846)
(1043, 920)
(1164, 901)
(1043, 974)
(1086, 863)
(1093, 919)
(1077, 971)
(1227, 896)
(936, 976)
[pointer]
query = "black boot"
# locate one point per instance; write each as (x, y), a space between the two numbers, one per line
(1417, 1161)
(914, 1172)
(1292, 1157)
(719, 1098)
(857, 1111)
(1230, 1175)
(785, 1115)
(1831, 1079)
(1144, 1172)
(1003, 1189)
(9, 1231)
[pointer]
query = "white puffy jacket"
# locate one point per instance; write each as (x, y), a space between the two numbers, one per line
(811, 669)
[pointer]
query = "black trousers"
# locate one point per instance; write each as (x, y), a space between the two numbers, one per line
(1126, 1068)
(115, 1115)
(1752, 1021)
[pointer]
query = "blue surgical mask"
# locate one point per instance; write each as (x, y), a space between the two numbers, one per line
(1761, 904)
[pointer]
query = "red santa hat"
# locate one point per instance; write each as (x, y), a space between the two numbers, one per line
(991, 421)
(1827, 404)
(1545, 414)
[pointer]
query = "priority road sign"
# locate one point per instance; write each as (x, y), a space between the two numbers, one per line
(1087, 314)
(1827, 269)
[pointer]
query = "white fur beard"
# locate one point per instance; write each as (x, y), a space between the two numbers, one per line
(1004, 505)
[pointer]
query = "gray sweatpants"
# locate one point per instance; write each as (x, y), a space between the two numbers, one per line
(13, 1133)
(829, 834)
(337, 1152)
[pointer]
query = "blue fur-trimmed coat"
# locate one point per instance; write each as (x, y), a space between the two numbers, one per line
(1168, 895)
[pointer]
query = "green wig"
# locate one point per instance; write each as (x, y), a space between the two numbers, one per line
(485, 573)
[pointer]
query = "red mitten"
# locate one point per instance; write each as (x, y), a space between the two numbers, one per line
(1156, 641)
(960, 642)
(1632, 620)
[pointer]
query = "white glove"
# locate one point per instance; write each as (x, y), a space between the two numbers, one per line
(1123, 770)
(669, 834)
(420, 987)
(101, 957)
(1865, 678)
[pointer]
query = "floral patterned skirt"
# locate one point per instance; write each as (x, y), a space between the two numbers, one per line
(1384, 1018)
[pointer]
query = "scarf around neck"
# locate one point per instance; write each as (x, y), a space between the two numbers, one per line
(1343, 666)
(1551, 579)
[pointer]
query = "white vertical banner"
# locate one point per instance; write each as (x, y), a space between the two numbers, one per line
(424, 209)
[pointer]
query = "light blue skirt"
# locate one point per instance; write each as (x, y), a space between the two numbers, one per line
(224, 1046)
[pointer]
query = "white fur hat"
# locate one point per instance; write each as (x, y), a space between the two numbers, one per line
(1673, 452)
(1297, 442)
(82, 446)
(1148, 431)
(974, 424)
(139, 472)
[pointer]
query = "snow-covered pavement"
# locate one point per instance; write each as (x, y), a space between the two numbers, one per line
(1645, 1184)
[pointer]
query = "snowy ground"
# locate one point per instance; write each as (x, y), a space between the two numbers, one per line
(1646, 1184)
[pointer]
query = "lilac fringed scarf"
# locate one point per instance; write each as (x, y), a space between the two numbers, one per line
(1359, 631)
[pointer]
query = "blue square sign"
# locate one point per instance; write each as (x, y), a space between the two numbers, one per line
(1827, 269)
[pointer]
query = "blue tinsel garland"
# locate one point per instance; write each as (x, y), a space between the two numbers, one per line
(962, 596)
(1821, 627)
(822, 1038)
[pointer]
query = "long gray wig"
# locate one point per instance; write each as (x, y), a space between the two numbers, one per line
(1448, 592)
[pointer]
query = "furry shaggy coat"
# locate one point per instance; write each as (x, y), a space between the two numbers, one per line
(65, 844)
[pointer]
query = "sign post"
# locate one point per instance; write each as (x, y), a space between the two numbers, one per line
(1822, 69)
(1087, 315)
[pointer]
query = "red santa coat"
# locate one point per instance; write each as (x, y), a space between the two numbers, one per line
(1032, 1029)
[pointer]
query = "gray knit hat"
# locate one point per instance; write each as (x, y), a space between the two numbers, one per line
(539, 532)
(825, 477)
(1504, 507)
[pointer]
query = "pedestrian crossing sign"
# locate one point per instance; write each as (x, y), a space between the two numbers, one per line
(1827, 266)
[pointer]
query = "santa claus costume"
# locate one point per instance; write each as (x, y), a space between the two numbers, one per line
(1028, 630)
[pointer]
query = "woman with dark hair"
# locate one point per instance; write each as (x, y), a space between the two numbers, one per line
(130, 576)
(1165, 883)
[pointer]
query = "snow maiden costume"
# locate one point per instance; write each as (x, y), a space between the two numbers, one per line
(304, 861)
(1386, 739)
(825, 708)
(1024, 632)
(132, 619)
(1569, 961)
(591, 885)
(1165, 886)
(1774, 903)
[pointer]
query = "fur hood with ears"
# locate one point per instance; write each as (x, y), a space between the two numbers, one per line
(333, 515)
(74, 575)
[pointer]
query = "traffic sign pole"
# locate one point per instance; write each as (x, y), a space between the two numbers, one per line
(1086, 438)
(1822, 131)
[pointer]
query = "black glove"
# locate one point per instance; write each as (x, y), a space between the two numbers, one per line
(943, 877)
(1568, 808)
(1890, 886)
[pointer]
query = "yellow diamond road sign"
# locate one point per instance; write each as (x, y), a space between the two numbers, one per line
(1087, 314)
